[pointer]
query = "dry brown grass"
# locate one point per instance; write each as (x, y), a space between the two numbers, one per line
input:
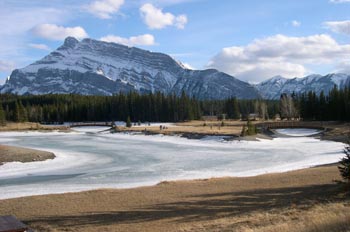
(332, 217)
(25, 126)
(304, 200)
(195, 127)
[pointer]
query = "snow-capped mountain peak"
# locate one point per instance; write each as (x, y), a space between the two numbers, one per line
(274, 87)
(100, 68)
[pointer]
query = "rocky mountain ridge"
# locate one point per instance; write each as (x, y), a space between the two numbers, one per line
(274, 87)
(93, 67)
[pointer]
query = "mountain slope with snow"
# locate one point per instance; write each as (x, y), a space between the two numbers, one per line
(274, 87)
(93, 67)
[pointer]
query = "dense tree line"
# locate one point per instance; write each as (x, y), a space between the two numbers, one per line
(169, 108)
(241, 108)
(145, 108)
(334, 105)
(74, 108)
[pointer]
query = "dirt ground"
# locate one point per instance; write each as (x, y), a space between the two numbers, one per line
(11, 154)
(304, 200)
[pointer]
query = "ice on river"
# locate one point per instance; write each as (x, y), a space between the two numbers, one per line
(299, 132)
(93, 160)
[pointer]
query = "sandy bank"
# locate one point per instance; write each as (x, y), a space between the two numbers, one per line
(293, 201)
(19, 154)
(31, 126)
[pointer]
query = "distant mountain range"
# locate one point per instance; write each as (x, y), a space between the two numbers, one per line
(92, 67)
(274, 87)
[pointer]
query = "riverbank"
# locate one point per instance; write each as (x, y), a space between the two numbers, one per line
(24, 155)
(303, 200)
(192, 129)
(333, 131)
(31, 126)
(338, 132)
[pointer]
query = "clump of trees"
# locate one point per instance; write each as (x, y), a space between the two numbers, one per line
(287, 107)
(249, 129)
(332, 106)
(2, 116)
(231, 108)
(344, 166)
(20, 113)
(128, 122)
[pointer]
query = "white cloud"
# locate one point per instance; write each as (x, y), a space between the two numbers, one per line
(279, 55)
(140, 40)
(343, 67)
(181, 21)
(15, 22)
(39, 46)
(6, 66)
(104, 9)
(170, 2)
(296, 23)
(155, 18)
(54, 32)
(339, 1)
(338, 26)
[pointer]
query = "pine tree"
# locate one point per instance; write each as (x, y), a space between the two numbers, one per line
(21, 113)
(128, 122)
(344, 167)
(17, 114)
(244, 131)
(251, 128)
(2, 116)
(236, 112)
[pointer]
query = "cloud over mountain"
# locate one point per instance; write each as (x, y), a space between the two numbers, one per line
(287, 56)
(155, 18)
(104, 9)
(55, 32)
(140, 40)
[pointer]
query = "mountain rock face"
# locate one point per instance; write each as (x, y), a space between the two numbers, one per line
(274, 87)
(92, 67)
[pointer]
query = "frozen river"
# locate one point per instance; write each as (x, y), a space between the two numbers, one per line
(87, 160)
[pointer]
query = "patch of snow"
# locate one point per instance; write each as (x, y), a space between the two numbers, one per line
(339, 79)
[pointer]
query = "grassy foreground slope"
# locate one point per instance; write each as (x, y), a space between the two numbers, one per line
(303, 200)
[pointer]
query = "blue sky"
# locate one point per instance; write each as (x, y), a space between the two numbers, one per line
(251, 39)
